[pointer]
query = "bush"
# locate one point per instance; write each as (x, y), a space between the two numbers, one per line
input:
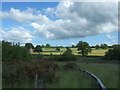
(46, 71)
(26, 71)
(38, 48)
(14, 52)
(67, 55)
(39, 57)
(113, 54)
(70, 65)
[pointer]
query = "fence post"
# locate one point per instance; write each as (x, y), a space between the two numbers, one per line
(36, 76)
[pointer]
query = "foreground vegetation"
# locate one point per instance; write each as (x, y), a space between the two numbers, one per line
(106, 71)
(73, 79)
(48, 67)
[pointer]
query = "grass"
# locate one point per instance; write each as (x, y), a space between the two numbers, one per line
(99, 52)
(108, 73)
(73, 79)
(53, 51)
(106, 70)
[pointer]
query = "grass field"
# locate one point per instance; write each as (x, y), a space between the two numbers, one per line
(73, 79)
(99, 52)
(106, 72)
(53, 51)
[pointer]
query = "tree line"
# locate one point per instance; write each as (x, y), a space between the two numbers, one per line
(9, 50)
(82, 46)
(101, 46)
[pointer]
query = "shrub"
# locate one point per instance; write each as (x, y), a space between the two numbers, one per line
(14, 52)
(113, 54)
(58, 49)
(39, 57)
(67, 55)
(26, 71)
(70, 65)
(46, 71)
(38, 48)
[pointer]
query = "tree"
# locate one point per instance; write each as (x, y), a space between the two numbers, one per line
(48, 46)
(114, 53)
(43, 46)
(68, 52)
(14, 52)
(104, 46)
(84, 47)
(38, 48)
(68, 48)
(67, 55)
(97, 46)
(58, 49)
(73, 46)
(29, 45)
(89, 50)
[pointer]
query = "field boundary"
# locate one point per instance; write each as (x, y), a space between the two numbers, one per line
(101, 85)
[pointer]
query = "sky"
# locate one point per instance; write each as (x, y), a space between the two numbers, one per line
(59, 23)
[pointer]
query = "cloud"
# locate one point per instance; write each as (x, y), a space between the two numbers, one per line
(17, 34)
(72, 19)
(27, 16)
(72, 43)
(79, 20)
(17, 15)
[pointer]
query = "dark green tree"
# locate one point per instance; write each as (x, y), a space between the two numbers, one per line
(73, 46)
(58, 49)
(84, 47)
(114, 53)
(48, 46)
(67, 55)
(38, 48)
(68, 48)
(97, 46)
(29, 45)
(68, 52)
(89, 50)
(104, 46)
(43, 46)
(14, 52)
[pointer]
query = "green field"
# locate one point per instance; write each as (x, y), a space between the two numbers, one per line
(106, 72)
(73, 79)
(53, 51)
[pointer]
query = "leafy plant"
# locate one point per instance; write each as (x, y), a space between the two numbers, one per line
(113, 54)
(70, 65)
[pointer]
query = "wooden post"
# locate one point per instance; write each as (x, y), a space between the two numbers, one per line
(36, 81)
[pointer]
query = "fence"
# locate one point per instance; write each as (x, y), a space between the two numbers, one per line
(102, 87)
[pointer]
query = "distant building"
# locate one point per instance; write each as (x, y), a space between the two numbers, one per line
(31, 50)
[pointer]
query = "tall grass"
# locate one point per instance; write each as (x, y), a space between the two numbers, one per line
(73, 79)
(108, 73)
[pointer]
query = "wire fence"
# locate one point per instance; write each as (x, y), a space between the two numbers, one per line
(101, 85)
